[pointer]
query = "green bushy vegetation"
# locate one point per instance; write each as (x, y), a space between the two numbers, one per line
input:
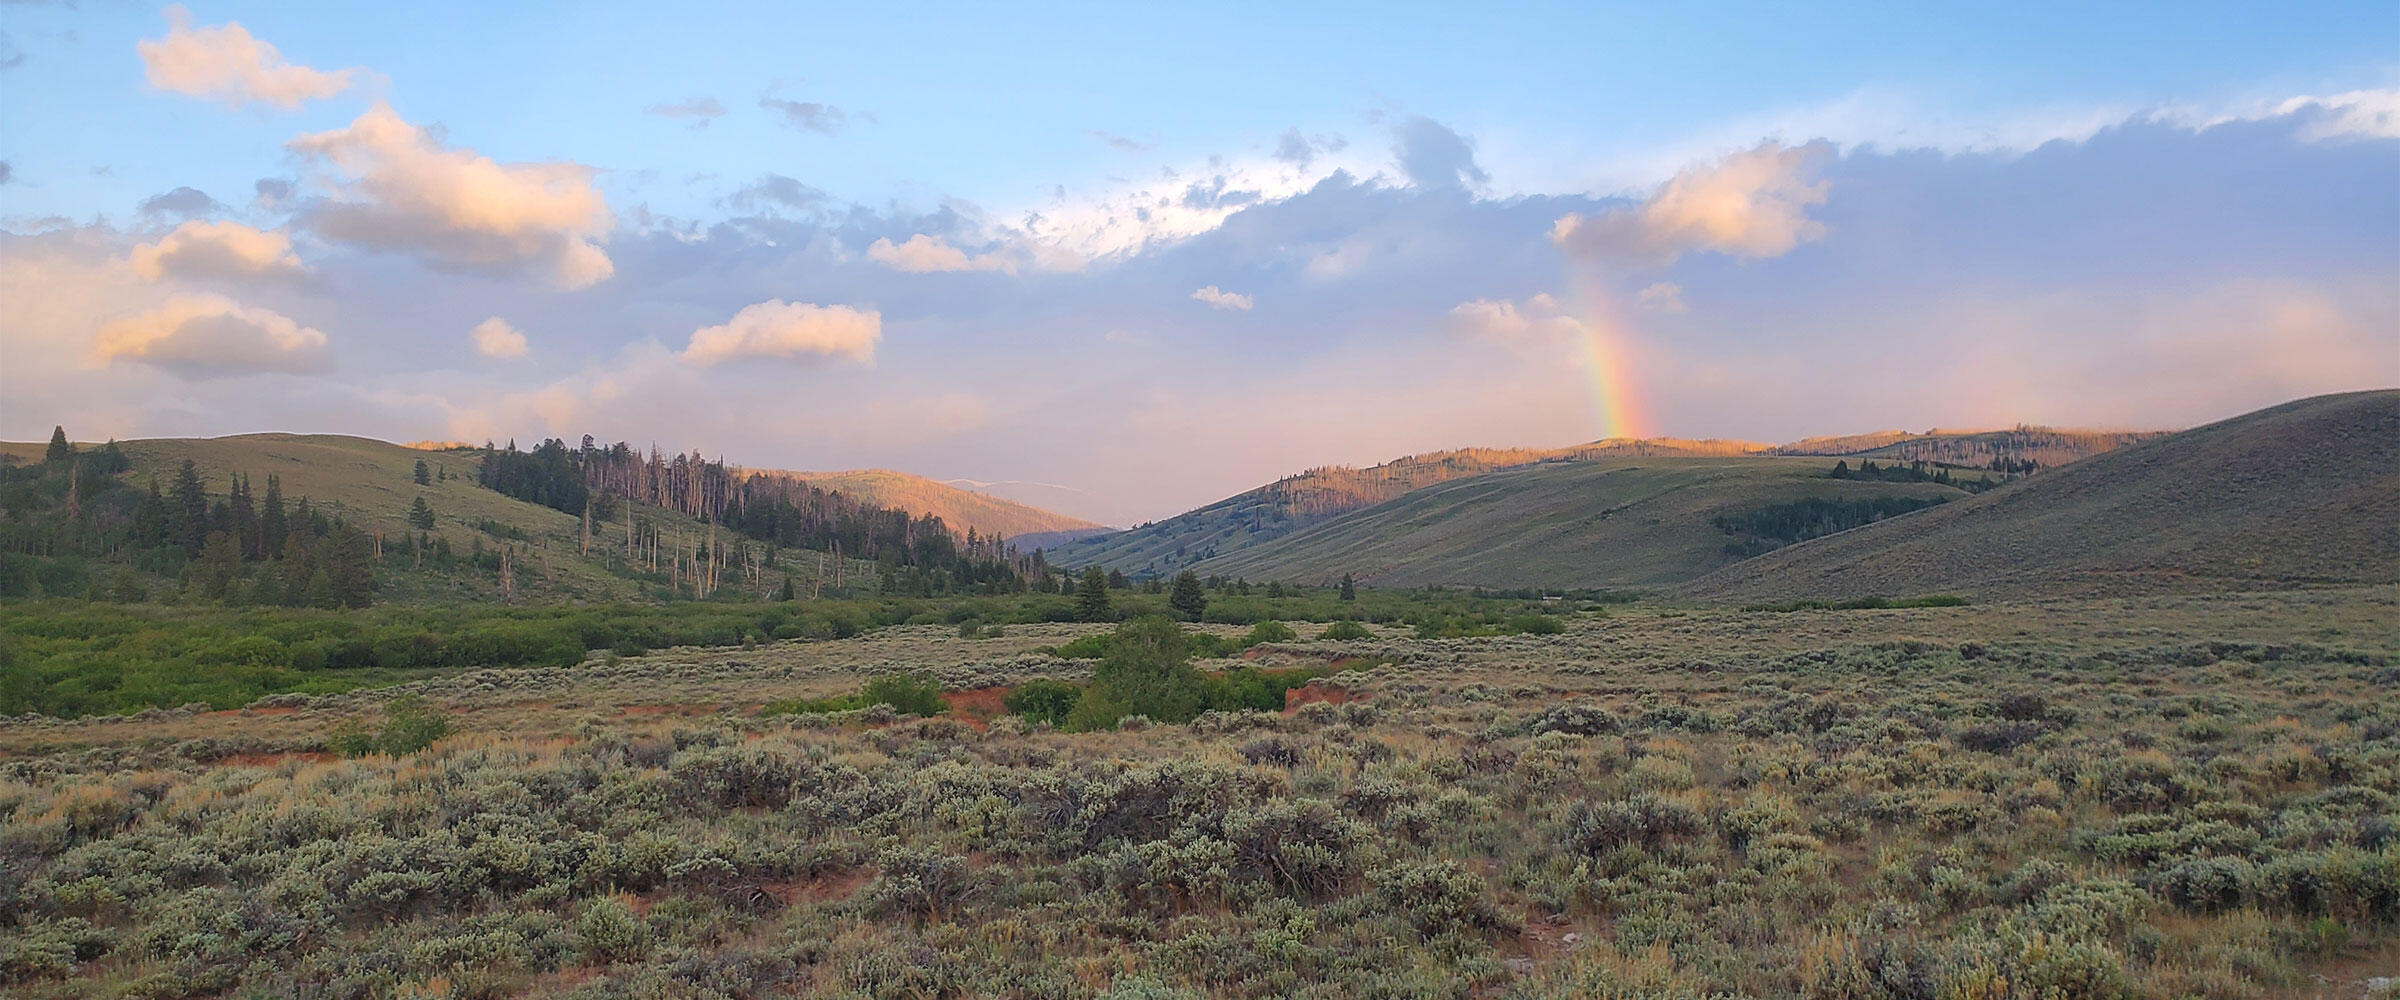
(915, 696)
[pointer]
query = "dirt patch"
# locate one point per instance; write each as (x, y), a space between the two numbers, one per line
(978, 707)
(1316, 694)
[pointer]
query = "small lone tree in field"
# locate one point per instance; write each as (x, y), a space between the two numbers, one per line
(420, 514)
(424, 473)
(1349, 588)
(60, 450)
(1188, 600)
(1091, 596)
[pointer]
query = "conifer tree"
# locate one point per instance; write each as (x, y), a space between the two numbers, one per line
(424, 474)
(1188, 600)
(60, 450)
(1349, 588)
(420, 515)
(1091, 596)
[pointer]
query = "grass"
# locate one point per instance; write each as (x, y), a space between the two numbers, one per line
(1602, 524)
(2145, 797)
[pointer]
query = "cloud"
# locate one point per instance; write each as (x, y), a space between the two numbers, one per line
(199, 249)
(701, 110)
(494, 338)
(1218, 298)
(1663, 296)
(1749, 204)
(924, 254)
(224, 63)
(183, 201)
(1434, 157)
(7, 173)
(395, 187)
(808, 115)
(775, 189)
(11, 56)
(1537, 317)
(207, 336)
(271, 192)
(1117, 142)
(790, 331)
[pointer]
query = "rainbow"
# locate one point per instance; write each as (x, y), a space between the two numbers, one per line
(1607, 354)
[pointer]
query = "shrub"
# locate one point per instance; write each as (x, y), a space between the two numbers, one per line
(1043, 700)
(1090, 647)
(1269, 631)
(610, 932)
(1346, 630)
(909, 695)
(1146, 672)
(1535, 625)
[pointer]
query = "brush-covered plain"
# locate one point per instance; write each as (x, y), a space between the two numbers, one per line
(2170, 797)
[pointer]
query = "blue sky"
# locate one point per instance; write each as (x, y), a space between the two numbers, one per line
(924, 239)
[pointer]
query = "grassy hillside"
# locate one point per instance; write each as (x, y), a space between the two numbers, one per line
(2046, 447)
(959, 508)
(1287, 505)
(371, 485)
(2306, 492)
(1617, 523)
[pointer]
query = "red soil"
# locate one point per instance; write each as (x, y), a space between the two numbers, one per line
(1316, 694)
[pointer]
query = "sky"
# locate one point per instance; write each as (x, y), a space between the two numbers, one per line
(1121, 262)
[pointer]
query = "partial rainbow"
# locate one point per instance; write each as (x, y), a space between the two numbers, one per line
(1608, 356)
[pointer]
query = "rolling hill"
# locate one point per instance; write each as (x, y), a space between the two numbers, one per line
(1287, 505)
(959, 508)
(371, 484)
(2046, 447)
(1600, 523)
(2307, 492)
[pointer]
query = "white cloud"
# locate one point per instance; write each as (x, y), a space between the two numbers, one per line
(200, 336)
(1218, 298)
(494, 338)
(1749, 204)
(395, 187)
(216, 249)
(1663, 296)
(924, 254)
(776, 329)
(1539, 317)
(225, 63)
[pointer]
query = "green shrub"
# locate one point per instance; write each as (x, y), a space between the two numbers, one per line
(1270, 631)
(1090, 647)
(1147, 672)
(1346, 630)
(1535, 625)
(1043, 700)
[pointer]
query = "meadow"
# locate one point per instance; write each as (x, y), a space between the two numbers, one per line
(2187, 796)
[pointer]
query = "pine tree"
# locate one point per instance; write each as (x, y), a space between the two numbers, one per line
(273, 523)
(1349, 588)
(1188, 600)
(1091, 597)
(420, 515)
(424, 473)
(187, 508)
(60, 450)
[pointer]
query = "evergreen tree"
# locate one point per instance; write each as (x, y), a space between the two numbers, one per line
(1188, 600)
(1091, 597)
(1147, 671)
(424, 473)
(273, 523)
(1349, 588)
(420, 515)
(187, 509)
(60, 450)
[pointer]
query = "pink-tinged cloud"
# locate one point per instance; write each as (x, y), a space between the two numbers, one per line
(225, 63)
(204, 336)
(218, 250)
(392, 186)
(1749, 204)
(789, 331)
(494, 338)
(924, 254)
